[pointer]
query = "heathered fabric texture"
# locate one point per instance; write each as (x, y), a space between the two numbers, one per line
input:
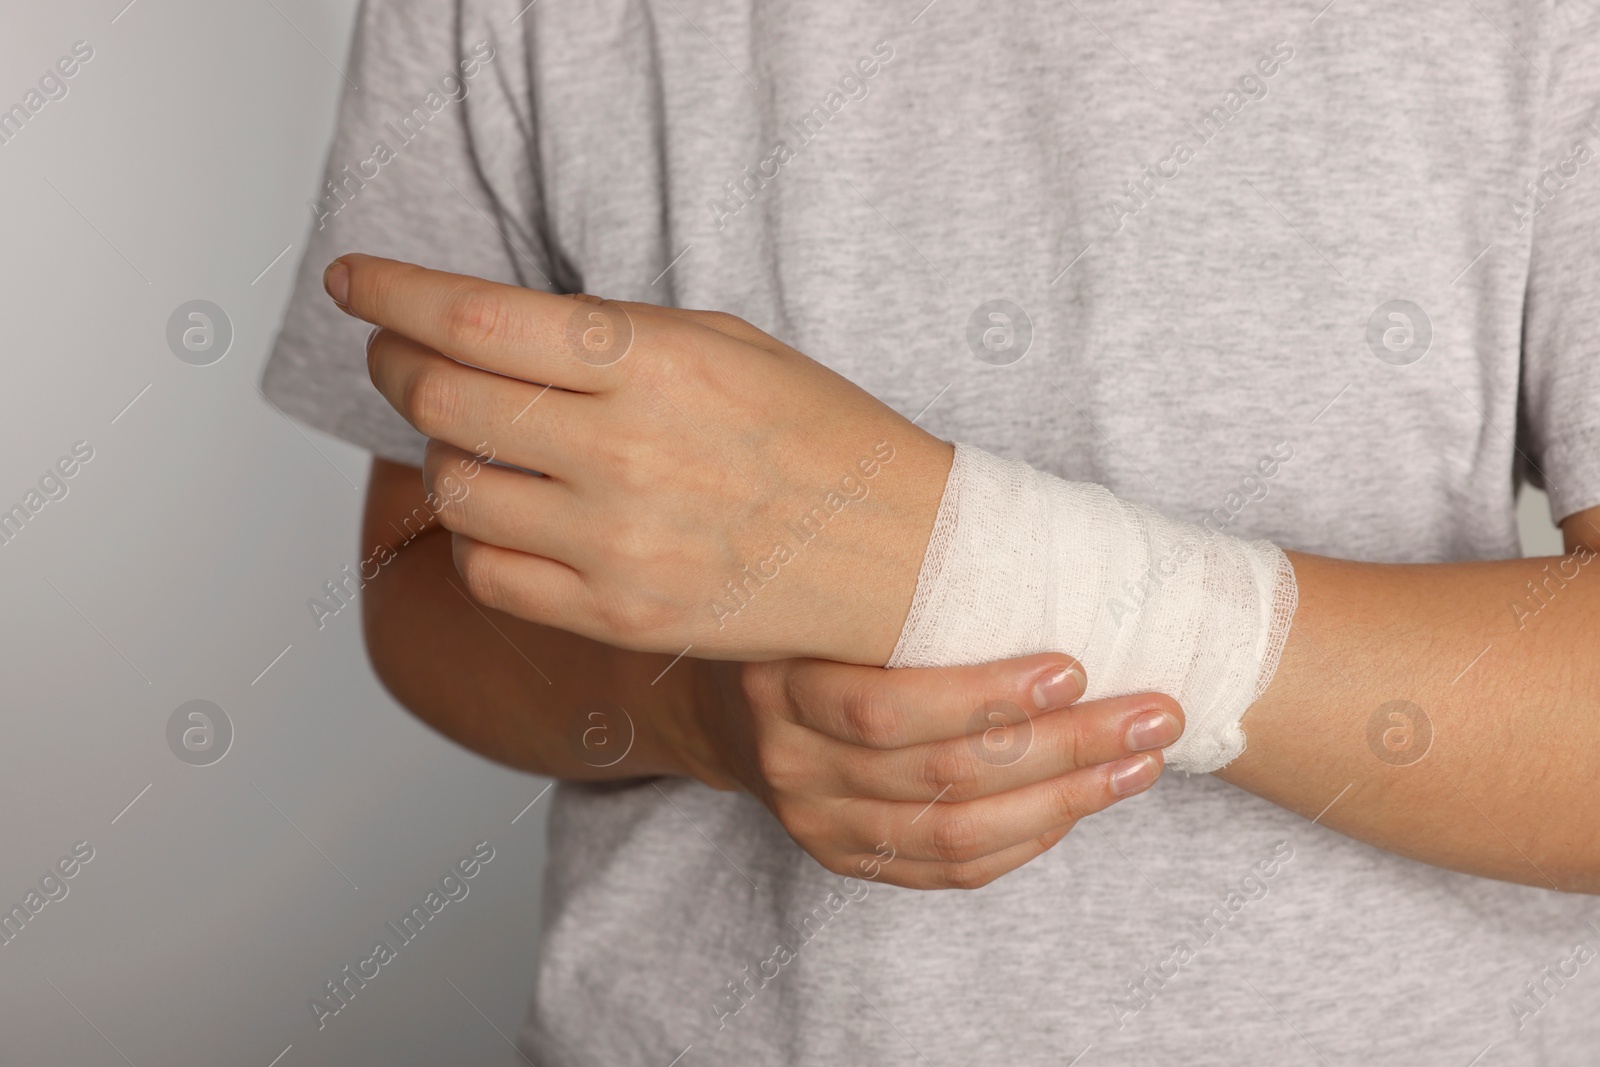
(1180, 337)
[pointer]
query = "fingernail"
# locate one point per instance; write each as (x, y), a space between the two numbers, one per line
(1058, 689)
(1153, 729)
(336, 280)
(1133, 774)
(370, 338)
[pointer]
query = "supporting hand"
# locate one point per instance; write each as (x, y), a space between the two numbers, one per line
(959, 774)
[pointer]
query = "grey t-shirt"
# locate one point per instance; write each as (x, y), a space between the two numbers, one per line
(1356, 246)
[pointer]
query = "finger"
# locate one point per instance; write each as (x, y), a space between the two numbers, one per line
(502, 507)
(1012, 750)
(530, 587)
(882, 708)
(925, 874)
(507, 329)
(551, 593)
(968, 830)
(530, 426)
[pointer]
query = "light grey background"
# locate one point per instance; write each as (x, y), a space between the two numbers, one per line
(178, 567)
(177, 168)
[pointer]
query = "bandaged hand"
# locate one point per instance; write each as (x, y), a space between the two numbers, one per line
(708, 488)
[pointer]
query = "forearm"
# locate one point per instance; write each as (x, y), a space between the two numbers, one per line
(1513, 696)
(1505, 787)
(525, 695)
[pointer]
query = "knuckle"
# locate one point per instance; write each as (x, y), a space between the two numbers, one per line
(432, 400)
(632, 543)
(1049, 840)
(632, 617)
(950, 768)
(968, 875)
(631, 474)
(678, 356)
(872, 716)
(618, 614)
(1071, 745)
(480, 570)
(1063, 802)
(957, 838)
(646, 469)
(726, 322)
(776, 764)
(472, 316)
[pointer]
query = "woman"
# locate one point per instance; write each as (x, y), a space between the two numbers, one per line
(1313, 279)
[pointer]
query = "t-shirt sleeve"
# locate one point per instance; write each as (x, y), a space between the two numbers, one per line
(1561, 325)
(433, 162)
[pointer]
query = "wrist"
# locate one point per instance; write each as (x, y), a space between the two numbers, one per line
(681, 733)
(1021, 562)
(872, 574)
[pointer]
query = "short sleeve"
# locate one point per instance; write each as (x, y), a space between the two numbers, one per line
(1561, 325)
(434, 162)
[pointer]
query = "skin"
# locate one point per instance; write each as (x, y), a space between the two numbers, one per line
(1506, 788)
(650, 456)
(846, 757)
(672, 472)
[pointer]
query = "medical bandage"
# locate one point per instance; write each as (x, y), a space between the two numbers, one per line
(1021, 562)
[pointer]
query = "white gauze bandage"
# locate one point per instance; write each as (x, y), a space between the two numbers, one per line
(1022, 562)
